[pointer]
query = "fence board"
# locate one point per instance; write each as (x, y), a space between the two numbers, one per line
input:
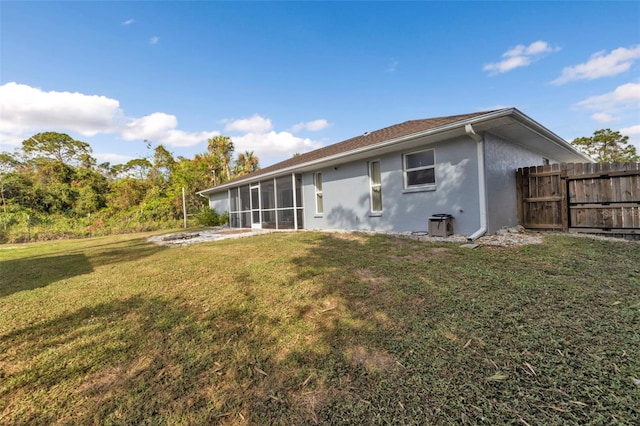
(580, 196)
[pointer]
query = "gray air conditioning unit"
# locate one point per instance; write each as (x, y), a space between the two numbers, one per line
(440, 225)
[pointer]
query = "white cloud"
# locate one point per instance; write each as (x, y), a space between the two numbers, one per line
(161, 128)
(25, 110)
(128, 21)
(393, 66)
(539, 47)
(631, 131)
(520, 56)
(634, 135)
(150, 127)
(255, 124)
(28, 109)
(625, 96)
(270, 145)
(311, 126)
(621, 104)
(601, 65)
(603, 117)
(273, 144)
(103, 157)
(154, 40)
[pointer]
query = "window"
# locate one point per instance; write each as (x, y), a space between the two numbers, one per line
(375, 183)
(318, 184)
(419, 169)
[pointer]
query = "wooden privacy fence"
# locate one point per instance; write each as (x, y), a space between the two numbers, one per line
(593, 198)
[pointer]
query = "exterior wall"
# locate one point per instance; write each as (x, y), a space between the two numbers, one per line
(501, 161)
(347, 200)
(219, 202)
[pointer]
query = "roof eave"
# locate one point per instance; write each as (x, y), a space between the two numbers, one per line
(502, 113)
(549, 135)
(430, 132)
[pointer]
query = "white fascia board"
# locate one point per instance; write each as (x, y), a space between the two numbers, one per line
(545, 133)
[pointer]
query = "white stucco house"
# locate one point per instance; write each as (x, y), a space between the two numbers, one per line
(394, 179)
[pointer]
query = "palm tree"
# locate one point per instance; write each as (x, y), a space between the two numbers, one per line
(252, 162)
(241, 163)
(222, 147)
(246, 163)
(212, 164)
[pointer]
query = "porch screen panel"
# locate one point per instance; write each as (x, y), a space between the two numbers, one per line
(245, 218)
(298, 190)
(285, 219)
(284, 186)
(235, 200)
(245, 198)
(299, 201)
(268, 195)
(269, 219)
(240, 207)
(234, 219)
(300, 214)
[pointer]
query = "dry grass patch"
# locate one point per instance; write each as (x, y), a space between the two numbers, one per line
(310, 328)
(371, 360)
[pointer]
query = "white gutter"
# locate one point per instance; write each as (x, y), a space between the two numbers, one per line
(482, 192)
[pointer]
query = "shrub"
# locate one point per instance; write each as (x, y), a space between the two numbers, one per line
(208, 217)
(224, 218)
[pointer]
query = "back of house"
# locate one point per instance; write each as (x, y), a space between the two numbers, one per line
(397, 178)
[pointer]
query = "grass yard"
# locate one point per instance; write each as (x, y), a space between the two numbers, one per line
(313, 328)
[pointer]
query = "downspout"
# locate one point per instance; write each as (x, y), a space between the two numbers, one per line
(482, 190)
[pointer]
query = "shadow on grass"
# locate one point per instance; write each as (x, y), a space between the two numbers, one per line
(39, 271)
(28, 274)
(349, 330)
(420, 333)
(131, 361)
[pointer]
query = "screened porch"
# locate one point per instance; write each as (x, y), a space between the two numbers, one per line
(269, 204)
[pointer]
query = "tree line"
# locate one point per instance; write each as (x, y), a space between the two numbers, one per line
(52, 186)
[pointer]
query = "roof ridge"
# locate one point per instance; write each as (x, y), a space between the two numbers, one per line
(451, 116)
(367, 139)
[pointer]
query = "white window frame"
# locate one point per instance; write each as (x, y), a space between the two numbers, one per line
(372, 185)
(405, 171)
(317, 177)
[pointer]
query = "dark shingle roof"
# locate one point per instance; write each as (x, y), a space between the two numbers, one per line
(368, 139)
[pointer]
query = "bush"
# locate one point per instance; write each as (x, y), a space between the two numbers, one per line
(208, 217)
(224, 218)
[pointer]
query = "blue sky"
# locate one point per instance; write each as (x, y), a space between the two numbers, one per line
(286, 77)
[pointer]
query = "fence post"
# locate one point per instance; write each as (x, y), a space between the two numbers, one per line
(519, 200)
(564, 193)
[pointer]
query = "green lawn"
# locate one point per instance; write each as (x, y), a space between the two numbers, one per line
(308, 328)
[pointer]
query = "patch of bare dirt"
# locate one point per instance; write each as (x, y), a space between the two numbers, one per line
(507, 237)
(372, 360)
(110, 379)
(347, 236)
(510, 239)
(220, 233)
(368, 276)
